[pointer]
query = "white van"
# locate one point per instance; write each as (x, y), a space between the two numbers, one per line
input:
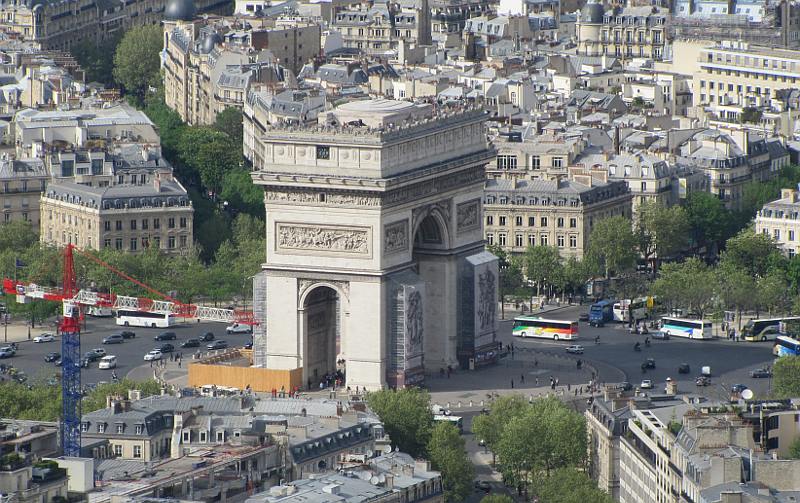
(108, 362)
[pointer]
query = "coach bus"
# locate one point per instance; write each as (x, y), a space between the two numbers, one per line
(786, 346)
(682, 327)
(630, 310)
(557, 330)
(145, 319)
(456, 421)
(767, 329)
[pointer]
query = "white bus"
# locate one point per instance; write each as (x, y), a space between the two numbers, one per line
(145, 319)
(682, 327)
(557, 330)
(627, 310)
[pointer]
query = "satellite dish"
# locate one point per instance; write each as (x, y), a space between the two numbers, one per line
(388, 448)
(747, 394)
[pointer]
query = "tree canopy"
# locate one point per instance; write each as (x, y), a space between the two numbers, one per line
(567, 485)
(406, 416)
(137, 63)
(448, 455)
(612, 245)
(786, 377)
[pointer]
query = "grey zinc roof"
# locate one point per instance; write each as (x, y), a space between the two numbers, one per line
(22, 168)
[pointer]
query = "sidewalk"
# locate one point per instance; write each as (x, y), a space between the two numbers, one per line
(18, 332)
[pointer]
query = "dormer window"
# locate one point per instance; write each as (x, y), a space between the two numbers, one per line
(138, 429)
(101, 428)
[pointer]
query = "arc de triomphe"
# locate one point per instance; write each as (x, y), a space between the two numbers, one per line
(375, 262)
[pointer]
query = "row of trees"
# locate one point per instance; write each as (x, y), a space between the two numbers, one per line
(41, 401)
(539, 445)
(236, 259)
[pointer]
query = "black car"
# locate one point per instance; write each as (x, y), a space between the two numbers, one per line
(166, 336)
(191, 343)
(482, 485)
(207, 337)
(166, 348)
(760, 373)
(127, 334)
(51, 357)
(738, 388)
(92, 356)
(217, 345)
(650, 363)
(684, 368)
(625, 386)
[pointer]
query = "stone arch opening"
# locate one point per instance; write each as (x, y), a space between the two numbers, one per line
(431, 233)
(322, 319)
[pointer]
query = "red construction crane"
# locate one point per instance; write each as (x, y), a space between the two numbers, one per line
(73, 301)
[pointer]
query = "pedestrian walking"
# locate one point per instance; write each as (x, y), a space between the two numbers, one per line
(537, 382)
(512, 383)
(522, 378)
(568, 387)
(535, 362)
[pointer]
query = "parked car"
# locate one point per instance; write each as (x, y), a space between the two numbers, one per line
(166, 336)
(738, 388)
(684, 368)
(127, 334)
(166, 348)
(702, 381)
(575, 349)
(91, 356)
(7, 352)
(217, 345)
(190, 343)
(51, 357)
(47, 337)
(646, 384)
(114, 339)
(238, 328)
(207, 337)
(153, 355)
(650, 363)
(107, 362)
(759, 373)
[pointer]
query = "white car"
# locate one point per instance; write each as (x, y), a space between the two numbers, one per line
(44, 338)
(153, 355)
(575, 349)
(646, 384)
(107, 362)
(238, 328)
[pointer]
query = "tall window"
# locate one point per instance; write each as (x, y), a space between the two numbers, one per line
(490, 238)
(489, 220)
(518, 241)
(506, 162)
(502, 221)
(543, 239)
(560, 241)
(137, 451)
(171, 242)
(518, 221)
(531, 221)
(183, 222)
(117, 450)
(573, 223)
(560, 222)
(171, 223)
(573, 241)
(502, 239)
(531, 240)
(558, 162)
(118, 243)
(536, 163)
(543, 221)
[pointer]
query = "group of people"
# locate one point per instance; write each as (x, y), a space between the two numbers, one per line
(293, 393)
(330, 380)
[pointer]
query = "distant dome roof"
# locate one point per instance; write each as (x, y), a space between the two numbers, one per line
(592, 13)
(179, 10)
(209, 41)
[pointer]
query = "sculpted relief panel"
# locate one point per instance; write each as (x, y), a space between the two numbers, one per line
(316, 238)
(468, 215)
(395, 237)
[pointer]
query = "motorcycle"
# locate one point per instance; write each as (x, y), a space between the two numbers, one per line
(637, 347)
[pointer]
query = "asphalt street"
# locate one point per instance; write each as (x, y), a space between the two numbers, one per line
(730, 361)
(130, 354)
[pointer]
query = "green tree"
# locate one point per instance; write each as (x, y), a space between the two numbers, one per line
(750, 115)
(447, 455)
(612, 245)
(543, 266)
(754, 253)
(709, 220)
(97, 61)
(662, 231)
(794, 449)
(786, 377)
(735, 288)
(229, 121)
(771, 292)
(96, 400)
(210, 153)
(688, 284)
(567, 485)
(489, 427)
(497, 498)
(137, 60)
(574, 276)
(545, 437)
(17, 235)
(406, 416)
(241, 193)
